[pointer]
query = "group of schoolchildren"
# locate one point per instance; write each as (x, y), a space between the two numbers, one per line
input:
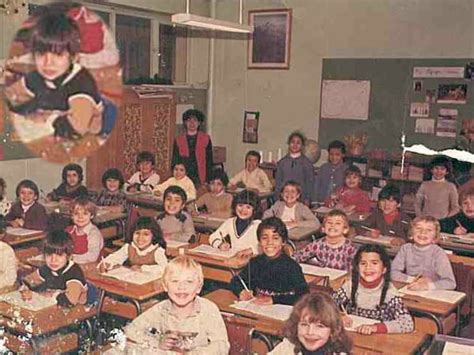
(271, 276)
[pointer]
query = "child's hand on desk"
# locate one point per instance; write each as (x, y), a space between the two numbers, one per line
(263, 300)
(421, 284)
(396, 241)
(157, 193)
(224, 246)
(374, 233)
(459, 230)
(346, 320)
(136, 268)
(26, 293)
(17, 223)
(245, 295)
(366, 329)
(104, 267)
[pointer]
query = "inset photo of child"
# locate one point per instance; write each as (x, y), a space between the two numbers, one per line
(60, 60)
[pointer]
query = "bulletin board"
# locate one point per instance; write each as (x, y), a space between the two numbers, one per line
(392, 93)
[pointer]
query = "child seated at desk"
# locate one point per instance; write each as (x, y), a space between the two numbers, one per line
(60, 276)
(146, 252)
(271, 277)
(291, 211)
(87, 239)
(252, 177)
(8, 263)
(423, 259)
(350, 197)
(437, 197)
(71, 186)
(145, 179)
(314, 327)
(239, 232)
(370, 294)
(27, 212)
(331, 174)
(185, 323)
(5, 203)
(217, 202)
(175, 222)
(112, 195)
(180, 179)
(334, 250)
(463, 222)
(387, 219)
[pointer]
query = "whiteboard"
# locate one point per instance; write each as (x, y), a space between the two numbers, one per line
(345, 99)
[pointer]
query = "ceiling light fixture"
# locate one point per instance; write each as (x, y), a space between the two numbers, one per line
(209, 23)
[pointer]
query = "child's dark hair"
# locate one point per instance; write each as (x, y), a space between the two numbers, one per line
(113, 173)
(337, 145)
(73, 167)
(275, 224)
(27, 184)
(177, 191)
(295, 185)
(353, 170)
(219, 174)
(58, 242)
(55, 32)
(193, 113)
(370, 248)
(253, 153)
(390, 191)
(3, 224)
(249, 198)
(179, 162)
(149, 223)
(145, 156)
(441, 161)
(321, 308)
(298, 134)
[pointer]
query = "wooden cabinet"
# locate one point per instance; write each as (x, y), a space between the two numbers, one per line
(143, 124)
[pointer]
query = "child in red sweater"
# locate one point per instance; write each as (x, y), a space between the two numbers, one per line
(350, 197)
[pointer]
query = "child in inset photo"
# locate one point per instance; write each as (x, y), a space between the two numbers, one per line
(5, 203)
(8, 262)
(59, 97)
(71, 186)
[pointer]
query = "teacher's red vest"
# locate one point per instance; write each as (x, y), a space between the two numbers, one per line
(201, 143)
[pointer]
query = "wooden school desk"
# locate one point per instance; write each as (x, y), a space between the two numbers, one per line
(441, 341)
(44, 322)
(204, 223)
(140, 296)
(145, 200)
(378, 343)
(17, 240)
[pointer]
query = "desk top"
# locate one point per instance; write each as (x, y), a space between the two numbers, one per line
(18, 240)
(211, 223)
(301, 233)
(122, 288)
(383, 343)
(44, 321)
(145, 199)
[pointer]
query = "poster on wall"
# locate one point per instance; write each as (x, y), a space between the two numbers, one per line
(250, 134)
(452, 93)
(447, 123)
(345, 99)
(419, 109)
(425, 125)
(438, 72)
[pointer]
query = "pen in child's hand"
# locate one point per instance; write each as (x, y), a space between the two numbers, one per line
(344, 311)
(417, 277)
(243, 283)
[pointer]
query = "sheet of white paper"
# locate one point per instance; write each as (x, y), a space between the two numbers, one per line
(382, 240)
(275, 311)
(462, 238)
(447, 296)
(322, 271)
(135, 277)
(21, 231)
(457, 349)
(208, 250)
(357, 321)
(37, 302)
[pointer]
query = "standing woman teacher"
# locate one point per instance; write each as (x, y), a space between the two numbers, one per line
(194, 148)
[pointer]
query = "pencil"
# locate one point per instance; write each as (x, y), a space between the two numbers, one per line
(459, 224)
(344, 311)
(367, 228)
(417, 277)
(243, 283)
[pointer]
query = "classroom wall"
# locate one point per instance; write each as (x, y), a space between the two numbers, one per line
(289, 99)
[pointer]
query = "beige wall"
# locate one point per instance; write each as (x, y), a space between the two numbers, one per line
(289, 99)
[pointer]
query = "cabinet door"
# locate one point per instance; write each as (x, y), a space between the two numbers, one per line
(143, 124)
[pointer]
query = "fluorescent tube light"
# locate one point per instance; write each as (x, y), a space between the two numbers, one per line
(209, 23)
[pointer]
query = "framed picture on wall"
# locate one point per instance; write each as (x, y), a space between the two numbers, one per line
(269, 45)
(250, 134)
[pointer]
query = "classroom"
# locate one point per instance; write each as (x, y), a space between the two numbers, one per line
(237, 177)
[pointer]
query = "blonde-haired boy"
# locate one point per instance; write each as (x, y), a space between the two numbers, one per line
(185, 323)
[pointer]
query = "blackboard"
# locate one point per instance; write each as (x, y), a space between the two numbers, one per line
(391, 92)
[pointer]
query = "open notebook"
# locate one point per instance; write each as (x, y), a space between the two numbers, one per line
(382, 240)
(463, 238)
(457, 349)
(208, 250)
(447, 296)
(37, 302)
(22, 231)
(128, 275)
(357, 321)
(275, 311)
(333, 274)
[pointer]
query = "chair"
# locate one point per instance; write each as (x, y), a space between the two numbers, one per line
(240, 333)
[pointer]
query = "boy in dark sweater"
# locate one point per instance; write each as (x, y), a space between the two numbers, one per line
(272, 277)
(462, 222)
